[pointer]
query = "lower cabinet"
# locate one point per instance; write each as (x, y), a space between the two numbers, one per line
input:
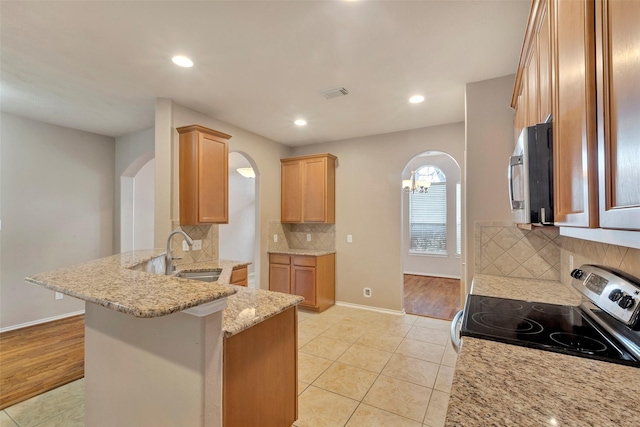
(311, 277)
(239, 276)
(260, 374)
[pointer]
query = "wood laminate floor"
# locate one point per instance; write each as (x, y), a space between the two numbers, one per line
(431, 296)
(40, 358)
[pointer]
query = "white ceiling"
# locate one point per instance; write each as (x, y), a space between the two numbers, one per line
(98, 66)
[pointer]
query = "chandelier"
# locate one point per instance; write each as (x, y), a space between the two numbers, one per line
(415, 186)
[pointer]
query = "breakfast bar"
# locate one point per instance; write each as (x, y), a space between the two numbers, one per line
(155, 344)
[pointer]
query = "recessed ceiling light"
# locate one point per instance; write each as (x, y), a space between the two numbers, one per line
(182, 61)
(416, 99)
(300, 122)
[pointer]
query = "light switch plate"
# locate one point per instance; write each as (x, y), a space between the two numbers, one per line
(197, 245)
(349, 238)
(185, 246)
(275, 238)
(308, 237)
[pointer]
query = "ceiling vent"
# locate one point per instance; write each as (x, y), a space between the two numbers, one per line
(334, 92)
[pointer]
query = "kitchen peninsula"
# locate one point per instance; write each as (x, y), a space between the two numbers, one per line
(155, 344)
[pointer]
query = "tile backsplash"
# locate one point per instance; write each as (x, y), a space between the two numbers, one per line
(588, 252)
(207, 233)
(502, 249)
(294, 236)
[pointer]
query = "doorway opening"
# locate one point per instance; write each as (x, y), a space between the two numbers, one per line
(238, 240)
(137, 210)
(431, 235)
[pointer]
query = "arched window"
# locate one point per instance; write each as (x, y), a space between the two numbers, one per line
(428, 213)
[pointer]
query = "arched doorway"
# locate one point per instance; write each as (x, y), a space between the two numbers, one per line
(431, 234)
(238, 240)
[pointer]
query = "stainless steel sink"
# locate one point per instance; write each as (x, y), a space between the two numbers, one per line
(203, 276)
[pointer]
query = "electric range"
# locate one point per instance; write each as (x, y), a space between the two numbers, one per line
(604, 327)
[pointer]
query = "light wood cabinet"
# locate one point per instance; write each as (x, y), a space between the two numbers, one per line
(312, 277)
(203, 175)
(574, 132)
(240, 276)
(308, 189)
(260, 374)
(618, 84)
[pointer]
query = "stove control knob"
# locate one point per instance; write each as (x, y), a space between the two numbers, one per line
(615, 295)
(577, 273)
(626, 302)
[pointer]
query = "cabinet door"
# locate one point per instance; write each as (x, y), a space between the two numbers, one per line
(544, 64)
(303, 283)
(213, 178)
(574, 139)
(291, 192)
(279, 278)
(618, 77)
(532, 86)
(314, 190)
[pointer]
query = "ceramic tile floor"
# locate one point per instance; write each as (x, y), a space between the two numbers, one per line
(361, 368)
(356, 368)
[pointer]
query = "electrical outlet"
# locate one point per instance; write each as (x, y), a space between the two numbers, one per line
(197, 245)
(185, 246)
(367, 292)
(275, 238)
(308, 237)
(349, 238)
(59, 295)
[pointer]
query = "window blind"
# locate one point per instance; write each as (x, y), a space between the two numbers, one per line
(428, 220)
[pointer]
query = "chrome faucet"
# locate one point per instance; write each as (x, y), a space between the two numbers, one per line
(168, 261)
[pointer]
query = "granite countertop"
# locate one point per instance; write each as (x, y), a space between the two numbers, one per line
(120, 283)
(498, 384)
(308, 252)
(112, 283)
(247, 307)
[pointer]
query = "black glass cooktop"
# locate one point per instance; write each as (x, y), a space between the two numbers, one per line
(558, 328)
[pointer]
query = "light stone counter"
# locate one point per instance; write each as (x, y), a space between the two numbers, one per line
(498, 384)
(113, 283)
(307, 252)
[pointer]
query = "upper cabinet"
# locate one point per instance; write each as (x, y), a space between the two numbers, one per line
(572, 48)
(618, 83)
(308, 189)
(574, 128)
(204, 175)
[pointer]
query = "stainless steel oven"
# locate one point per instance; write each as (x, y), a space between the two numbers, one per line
(604, 327)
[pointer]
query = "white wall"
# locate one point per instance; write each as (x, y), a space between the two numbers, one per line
(237, 239)
(266, 155)
(57, 209)
(143, 206)
(368, 206)
(433, 265)
(489, 143)
(132, 152)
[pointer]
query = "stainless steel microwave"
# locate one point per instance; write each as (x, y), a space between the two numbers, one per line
(531, 176)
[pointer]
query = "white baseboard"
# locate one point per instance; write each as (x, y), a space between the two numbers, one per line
(37, 322)
(445, 276)
(368, 307)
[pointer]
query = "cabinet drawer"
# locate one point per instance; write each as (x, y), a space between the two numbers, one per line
(238, 275)
(304, 261)
(279, 259)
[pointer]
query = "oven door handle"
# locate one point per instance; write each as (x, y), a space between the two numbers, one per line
(456, 341)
